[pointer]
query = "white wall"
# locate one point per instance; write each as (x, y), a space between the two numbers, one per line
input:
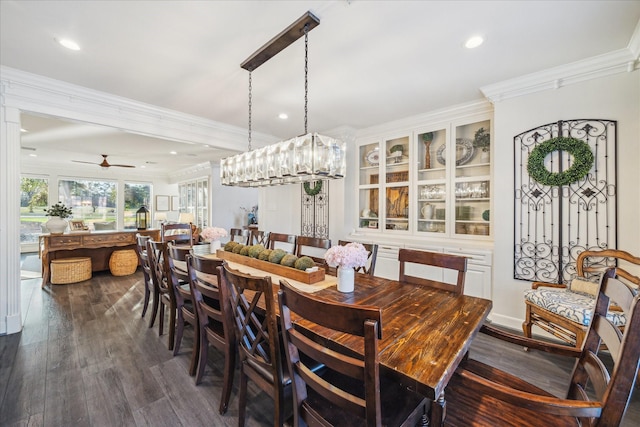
(226, 203)
(615, 97)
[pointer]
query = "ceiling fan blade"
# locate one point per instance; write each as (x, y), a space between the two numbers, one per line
(105, 163)
(90, 163)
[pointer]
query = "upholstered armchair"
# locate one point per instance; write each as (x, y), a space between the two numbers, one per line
(565, 311)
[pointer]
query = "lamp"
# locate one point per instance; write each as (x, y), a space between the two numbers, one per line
(309, 157)
(160, 217)
(142, 218)
(186, 218)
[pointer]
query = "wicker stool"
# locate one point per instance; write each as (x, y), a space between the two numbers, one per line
(123, 262)
(70, 270)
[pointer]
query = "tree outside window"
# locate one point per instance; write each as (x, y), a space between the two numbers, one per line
(91, 201)
(34, 197)
(135, 195)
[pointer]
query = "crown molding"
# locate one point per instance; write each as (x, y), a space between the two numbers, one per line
(634, 43)
(199, 170)
(619, 61)
(39, 94)
(453, 112)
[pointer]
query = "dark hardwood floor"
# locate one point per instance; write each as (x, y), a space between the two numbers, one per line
(87, 358)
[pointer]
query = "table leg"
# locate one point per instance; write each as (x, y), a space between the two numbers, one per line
(45, 269)
(438, 411)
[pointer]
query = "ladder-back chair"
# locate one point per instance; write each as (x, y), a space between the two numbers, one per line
(215, 321)
(185, 311)
(313, 247)
(282, 241)
(178, 233)
(239, 235)
(143, 259)
(447, 261)
(257, 337)
(351, 391)
(163, 287)
(372, 248)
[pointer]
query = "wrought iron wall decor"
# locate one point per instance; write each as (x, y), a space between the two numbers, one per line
(315, 212)
(553, 224)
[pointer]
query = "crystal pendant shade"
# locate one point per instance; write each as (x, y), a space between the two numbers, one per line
(308, 157)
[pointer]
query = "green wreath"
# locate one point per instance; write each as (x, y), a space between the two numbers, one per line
(312, 191)
(582, 161)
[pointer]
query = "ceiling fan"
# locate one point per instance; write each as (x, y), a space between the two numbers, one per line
(105, 163)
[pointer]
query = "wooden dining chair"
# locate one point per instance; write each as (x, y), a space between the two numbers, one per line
(215, 321)
(435, 259)
(351, 391)
(143, 259)
(177, 233)
(185, 310)
(282, 241)
(372, 248)
(479, 394)
(163, 288)
(239, 235)
(313, 247)
(257, 237)
(257, 337)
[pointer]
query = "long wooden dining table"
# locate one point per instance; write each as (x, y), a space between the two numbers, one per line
(426, 332)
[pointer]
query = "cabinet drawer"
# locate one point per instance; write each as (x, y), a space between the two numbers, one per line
(64, 241)
(474, 257)
(113, 239)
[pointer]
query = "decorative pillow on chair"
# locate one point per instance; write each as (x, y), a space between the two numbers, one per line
(585, 286)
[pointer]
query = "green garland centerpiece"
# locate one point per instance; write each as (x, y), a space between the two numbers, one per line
(582, 161)
(312, 191)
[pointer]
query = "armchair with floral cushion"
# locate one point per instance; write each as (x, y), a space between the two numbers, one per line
(565, 311)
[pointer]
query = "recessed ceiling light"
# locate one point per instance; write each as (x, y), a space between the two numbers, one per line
(33, 155)
(283, 116)
(173, 152)
(143, 166)
(206, 146)
(473, 42)
(69, 44)
(23, 130)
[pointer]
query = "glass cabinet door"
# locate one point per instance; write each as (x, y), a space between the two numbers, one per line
(432, 185)
(368, 182)
(472, 179)
(432, 182)
(396, 184)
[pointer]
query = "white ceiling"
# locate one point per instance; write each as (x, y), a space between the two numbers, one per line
(370, 62)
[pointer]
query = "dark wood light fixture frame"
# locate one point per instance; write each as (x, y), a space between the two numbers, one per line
(274, 46)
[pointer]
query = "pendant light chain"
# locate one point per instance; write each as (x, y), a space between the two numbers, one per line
(306, 73)
(250, 110)
(296, 160)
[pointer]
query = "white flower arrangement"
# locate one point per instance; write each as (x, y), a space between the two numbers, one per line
(213, 233)
(352, 255)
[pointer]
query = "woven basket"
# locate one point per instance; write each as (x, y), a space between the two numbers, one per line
(70, 270)
(123, 262)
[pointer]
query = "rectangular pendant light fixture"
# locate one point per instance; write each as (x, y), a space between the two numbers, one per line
(309, 157)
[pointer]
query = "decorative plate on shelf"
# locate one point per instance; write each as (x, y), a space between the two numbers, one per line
(373, 157)
(464, 152)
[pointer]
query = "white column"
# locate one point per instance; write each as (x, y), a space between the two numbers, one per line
(10, 310)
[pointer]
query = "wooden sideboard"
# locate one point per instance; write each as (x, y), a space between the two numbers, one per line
(98, 245)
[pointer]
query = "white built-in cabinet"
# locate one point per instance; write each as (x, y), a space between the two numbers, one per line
(194, 198)
(429, 188)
